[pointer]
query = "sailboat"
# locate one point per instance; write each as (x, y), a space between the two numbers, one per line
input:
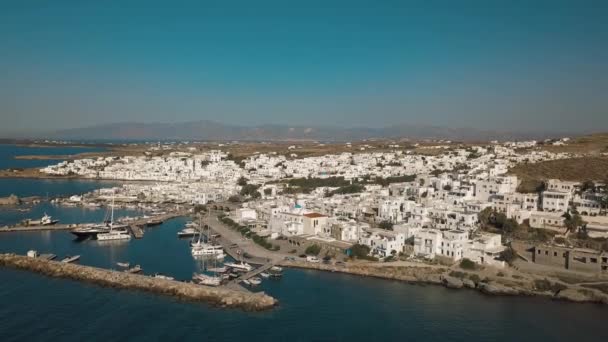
(201, 248)
(118, 232)
(104, 227)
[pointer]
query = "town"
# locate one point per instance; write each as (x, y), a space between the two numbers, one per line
(458, 205)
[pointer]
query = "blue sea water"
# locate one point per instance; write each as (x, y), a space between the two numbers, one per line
(314, 306)
(50, 187)
(9, 152)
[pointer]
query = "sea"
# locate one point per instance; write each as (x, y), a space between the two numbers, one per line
(313, 305)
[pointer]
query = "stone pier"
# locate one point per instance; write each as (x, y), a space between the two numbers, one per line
(218, 296)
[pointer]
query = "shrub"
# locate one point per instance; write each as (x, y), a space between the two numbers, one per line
(386, 225)
(313, 249)
(467, 264)
(546, 285)
(475, 278)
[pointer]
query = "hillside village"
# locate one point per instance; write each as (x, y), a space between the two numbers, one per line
(460, 203)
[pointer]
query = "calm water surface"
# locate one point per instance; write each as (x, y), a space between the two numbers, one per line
(314, 306)
(9, 152)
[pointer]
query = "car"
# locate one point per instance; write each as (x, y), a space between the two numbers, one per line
(234, 245)
(313, 259)
(339, 263)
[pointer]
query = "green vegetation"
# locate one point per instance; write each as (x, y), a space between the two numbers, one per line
(313, 250)
(242, 181)
(234, 199)
(546, 285)
(250, 190)
(246, 232)
(508, 255)
(386, 225)
(489, 218)
(200, 208)
(349, 189)
(361, 252)
(467, 264)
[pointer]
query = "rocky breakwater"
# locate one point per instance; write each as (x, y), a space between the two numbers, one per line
(218, 296)
(417, 274)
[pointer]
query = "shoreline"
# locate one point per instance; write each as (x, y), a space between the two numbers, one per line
(216, 296)
(428, 275)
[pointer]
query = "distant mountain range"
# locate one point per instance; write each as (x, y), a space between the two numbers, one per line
(206, 130)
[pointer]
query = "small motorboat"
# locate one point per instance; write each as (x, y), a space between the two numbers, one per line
(276, 269)
(162, 276)
(255, 281)
(123, 264)
(265, 275)
(134, 269)
(69, 259)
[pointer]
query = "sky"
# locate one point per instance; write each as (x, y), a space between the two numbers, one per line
(506, 65)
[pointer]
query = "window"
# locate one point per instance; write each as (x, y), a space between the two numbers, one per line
(554, 253)
(546, 252)
(593, 260)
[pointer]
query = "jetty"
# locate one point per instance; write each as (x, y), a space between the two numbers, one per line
(254, 272)
(218, 296)
(137, 231)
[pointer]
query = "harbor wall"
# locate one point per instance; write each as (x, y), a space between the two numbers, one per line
(218, 296)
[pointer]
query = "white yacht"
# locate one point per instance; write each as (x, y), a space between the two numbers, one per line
(242, 266)
(114, 233)
(47, 220)
(207, 249)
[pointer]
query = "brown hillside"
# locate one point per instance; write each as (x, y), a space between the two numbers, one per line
(574, 169)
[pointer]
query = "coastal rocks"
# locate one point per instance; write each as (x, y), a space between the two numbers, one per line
(219, 296)
(468, 283)
(452, 282)
(10, 200)
(496, 289)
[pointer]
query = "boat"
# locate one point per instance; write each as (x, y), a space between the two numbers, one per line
(242, 266)
(155, 222)
(208, 280)
(276, 275)
(246, 282)
(276, 269)
(47, 220)
(105, 227)
(255, 281)
(123, 264)
(207, 249)
(162, 276)
(191, 225)
(135, 269)
(218, 270)
(114, 234)
(118, 233)
(69, 259)
(265, 275)
(187, 232)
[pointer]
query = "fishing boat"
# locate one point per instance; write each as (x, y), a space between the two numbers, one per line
(69, 259)
(134, 269)
(276, 269)
(123, 264)
(265, 275)
(47, 220)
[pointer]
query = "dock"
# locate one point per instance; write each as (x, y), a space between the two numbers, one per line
(254, 272)
(137, 231)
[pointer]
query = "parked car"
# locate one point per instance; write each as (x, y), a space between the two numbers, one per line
(312, 259)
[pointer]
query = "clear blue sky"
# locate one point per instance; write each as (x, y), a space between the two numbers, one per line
(481, 64)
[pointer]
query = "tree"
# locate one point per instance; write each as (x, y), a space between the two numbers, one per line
(484, 217)
(587, 186)
(200, 208)
(242, 181)
(268, 191)
(573, 222)
(234, 199)
(386, 225)
(250, 190)
(313, 250)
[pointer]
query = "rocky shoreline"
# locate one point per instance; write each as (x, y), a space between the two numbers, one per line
(217, 296)
(444, 276)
